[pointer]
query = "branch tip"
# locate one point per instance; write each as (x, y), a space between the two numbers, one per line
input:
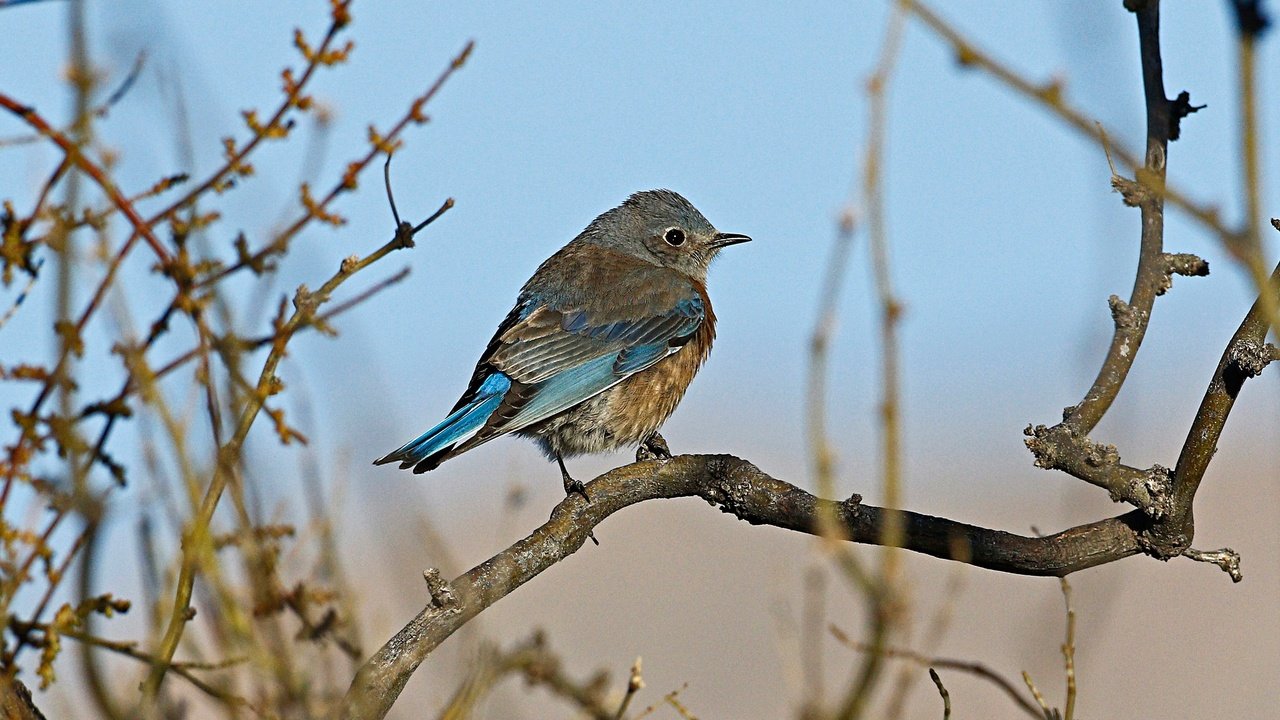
(386, 179)
(1225, 558)
(942, 691)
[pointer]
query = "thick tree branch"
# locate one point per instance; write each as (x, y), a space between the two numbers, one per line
(743, 490)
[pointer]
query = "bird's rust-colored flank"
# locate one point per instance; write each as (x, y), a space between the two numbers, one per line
(639, 405)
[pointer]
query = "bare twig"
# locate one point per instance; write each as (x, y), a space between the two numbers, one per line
(100, 176)
(887, 604)
(539, 666)
(1046, 712)
(1226, 558)
(1069, 653)
(1050, 95)
(976, 669)
(942, 690)
(635, 683)
(305, 303)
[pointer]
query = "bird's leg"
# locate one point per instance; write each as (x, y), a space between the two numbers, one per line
(654, 447)
(571, 486)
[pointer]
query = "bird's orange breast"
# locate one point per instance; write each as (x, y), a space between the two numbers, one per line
(639, 405)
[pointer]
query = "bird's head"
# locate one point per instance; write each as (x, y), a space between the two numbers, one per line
(661, 227)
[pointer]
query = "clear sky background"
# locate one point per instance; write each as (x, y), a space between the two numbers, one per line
(1006, 241)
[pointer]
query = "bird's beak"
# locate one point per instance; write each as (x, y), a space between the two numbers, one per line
(723, 240)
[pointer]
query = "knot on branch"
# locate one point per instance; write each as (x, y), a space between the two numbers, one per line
(442, 595)
(1184, 264)
(724, 491)
(1124, 315)
(1051, 447)
(1179, 108)
(305, 301)
(404, 236)
(1132, 192)
(1167, 539)
(1250, 356)
(1043, 445)
(1156, 485)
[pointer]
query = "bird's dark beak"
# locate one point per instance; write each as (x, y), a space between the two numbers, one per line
(723, 240)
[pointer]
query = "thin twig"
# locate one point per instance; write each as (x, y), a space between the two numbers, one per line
(635, 683)
(1046, 712)
(976, 669)
(1069, 652)
(1050, 96)
(305, 303)
(888, 605)
(93, 170)
(942, 690)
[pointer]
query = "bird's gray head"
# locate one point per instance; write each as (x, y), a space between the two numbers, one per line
(661, 227)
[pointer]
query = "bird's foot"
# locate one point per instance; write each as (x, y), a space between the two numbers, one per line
(654, 447)
(572, 486)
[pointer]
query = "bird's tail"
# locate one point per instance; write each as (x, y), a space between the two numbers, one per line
(431, 448)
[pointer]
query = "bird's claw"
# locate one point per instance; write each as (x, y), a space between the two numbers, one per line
(572, 486)
(653, 448)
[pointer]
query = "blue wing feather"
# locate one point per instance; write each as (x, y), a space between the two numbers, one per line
(566, 389)
(633, 360)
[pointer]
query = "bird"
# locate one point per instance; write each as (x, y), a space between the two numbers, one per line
(601, 345)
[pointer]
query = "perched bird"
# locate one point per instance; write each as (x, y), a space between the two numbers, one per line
(600, 346)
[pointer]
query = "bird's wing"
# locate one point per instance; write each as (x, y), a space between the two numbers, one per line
(557, 358)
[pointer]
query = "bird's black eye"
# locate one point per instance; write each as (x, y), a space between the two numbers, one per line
(674, 237)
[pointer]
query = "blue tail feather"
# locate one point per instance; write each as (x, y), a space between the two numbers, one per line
(461, 424)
